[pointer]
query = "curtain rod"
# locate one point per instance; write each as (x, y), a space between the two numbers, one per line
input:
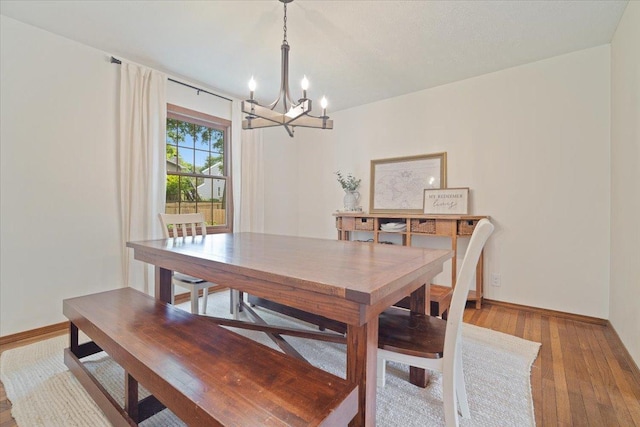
(117, 61)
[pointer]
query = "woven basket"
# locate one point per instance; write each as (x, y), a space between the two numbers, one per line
(364, 224)
(466, 227)
(427, 226)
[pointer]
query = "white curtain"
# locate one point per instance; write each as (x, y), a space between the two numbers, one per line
(252, 182)
(142, 164)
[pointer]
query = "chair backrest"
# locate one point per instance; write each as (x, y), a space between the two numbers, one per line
(176, 225)
(481, 233)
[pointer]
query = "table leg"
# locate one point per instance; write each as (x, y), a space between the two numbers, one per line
(163, 285)
(131, 396)
(362, 347)
(479, 279)
(73, 338)
(419, 303)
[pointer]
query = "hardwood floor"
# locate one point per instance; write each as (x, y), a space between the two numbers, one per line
(582, 376)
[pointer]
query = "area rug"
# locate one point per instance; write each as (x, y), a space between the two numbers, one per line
(496, 366)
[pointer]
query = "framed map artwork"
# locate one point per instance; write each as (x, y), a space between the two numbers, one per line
(398, 184)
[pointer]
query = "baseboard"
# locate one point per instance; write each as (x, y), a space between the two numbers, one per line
(34, 333)
(635, 371)
(547, 312)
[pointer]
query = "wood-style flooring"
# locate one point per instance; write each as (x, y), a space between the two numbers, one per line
(582, 376)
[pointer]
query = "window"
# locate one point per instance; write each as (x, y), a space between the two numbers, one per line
(199, 167)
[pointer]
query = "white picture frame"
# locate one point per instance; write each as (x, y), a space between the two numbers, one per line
(446, 201)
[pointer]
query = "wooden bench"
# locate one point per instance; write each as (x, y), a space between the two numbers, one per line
(203, 373)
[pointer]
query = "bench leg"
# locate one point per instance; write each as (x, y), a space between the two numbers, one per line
(131, 396)
(73, 336)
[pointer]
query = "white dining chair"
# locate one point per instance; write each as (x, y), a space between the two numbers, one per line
(433, 343)
(181, 226)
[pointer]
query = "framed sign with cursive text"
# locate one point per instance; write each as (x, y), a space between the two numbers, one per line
(446, 201)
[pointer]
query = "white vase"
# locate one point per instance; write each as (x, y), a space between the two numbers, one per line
(351, 199)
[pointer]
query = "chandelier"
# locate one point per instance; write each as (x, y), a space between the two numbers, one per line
(294, 113)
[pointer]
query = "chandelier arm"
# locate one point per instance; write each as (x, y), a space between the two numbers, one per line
(256, 110)
(307, 121)
(257, 123)
(275, 103)
(289, 131)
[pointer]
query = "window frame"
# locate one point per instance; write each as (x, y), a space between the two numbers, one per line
(177, 112)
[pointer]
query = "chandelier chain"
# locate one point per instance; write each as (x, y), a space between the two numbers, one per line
(285, 25)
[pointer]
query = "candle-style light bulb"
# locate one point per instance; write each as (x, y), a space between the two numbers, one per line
(305, 86)
(323, 104)
(252, 86)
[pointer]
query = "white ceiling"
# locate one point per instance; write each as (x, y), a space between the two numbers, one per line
(354, 52)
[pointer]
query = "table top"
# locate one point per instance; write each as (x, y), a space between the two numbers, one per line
(360, 272)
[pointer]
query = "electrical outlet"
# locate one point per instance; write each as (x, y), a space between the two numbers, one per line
(495, 279)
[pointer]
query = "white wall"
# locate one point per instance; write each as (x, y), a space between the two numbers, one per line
(532, 143)
(625, 180)
(59, 205)
(59, 216)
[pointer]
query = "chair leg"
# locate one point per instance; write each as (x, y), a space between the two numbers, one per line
(194, 300)
(382, 372)
(449, 395)
(461, 391)
(205, 294)
(235, 303)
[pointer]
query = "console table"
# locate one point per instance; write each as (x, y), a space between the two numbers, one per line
(451, 226)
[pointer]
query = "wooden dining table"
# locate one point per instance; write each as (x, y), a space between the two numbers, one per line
(349, 282)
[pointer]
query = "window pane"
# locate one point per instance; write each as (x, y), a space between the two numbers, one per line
(185, 134)
(210, 189)
(186, 159)
(202, 136)
(208, 164)
(217, 149)
(173, 191)
(172, 131)
(212, 200)
(188, 191)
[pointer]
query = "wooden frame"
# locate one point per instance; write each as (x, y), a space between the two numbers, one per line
(397, 184)
(196, 117)
(447, 201)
